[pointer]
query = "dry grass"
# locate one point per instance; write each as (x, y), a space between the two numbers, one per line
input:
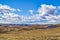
(40, 34)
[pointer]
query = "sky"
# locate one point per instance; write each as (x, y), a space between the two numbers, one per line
(30, 11)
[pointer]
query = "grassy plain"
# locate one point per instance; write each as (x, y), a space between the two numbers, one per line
(39, 34)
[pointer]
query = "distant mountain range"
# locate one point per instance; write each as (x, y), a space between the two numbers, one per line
(24, 24)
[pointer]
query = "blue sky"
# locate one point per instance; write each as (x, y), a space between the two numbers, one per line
(23, 7)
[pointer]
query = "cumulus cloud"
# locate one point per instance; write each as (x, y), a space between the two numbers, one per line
(45, 13)
(6, 7)
(46, 9)
(7, 14)
(31, 11)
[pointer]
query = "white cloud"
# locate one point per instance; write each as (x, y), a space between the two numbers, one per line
(18, 10)
(48, 12)
(46, 9)
(6, 7)
(31, 11)
(7, 14)
(45, 13)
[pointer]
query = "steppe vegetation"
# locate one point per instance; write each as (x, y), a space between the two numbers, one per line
(30, 33)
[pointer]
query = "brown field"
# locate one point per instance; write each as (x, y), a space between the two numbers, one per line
(29, 33)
